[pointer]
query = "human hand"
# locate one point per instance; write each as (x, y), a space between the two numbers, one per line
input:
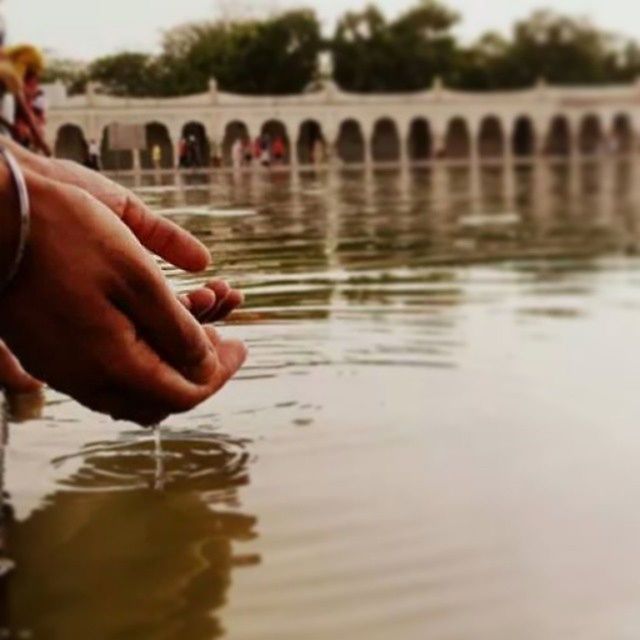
(212, 303)
(108, 330)
(13, 377)
(162, 237)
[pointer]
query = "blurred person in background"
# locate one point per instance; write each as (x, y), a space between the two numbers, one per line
(93, 160)
(156, 157)
(237, 153)
(248, 150)
(278, 150)
(29, 120)
(182, 153)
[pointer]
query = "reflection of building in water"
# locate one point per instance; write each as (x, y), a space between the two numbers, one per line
(108, 556)
(387, 128)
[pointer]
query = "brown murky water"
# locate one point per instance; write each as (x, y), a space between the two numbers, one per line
(435, 436)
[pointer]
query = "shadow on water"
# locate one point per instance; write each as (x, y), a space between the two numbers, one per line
(137, 542)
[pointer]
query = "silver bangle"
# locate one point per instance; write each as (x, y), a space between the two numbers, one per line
(25, 214)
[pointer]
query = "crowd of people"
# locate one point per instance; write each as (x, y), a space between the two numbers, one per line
(265, 150)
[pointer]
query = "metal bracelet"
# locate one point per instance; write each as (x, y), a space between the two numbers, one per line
(25, 213)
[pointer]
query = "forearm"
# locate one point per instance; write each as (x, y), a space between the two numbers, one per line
(9, 221)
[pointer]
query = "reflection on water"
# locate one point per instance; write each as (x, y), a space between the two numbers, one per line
(111, 554)
(434, 436)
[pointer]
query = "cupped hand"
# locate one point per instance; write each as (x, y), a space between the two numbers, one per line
(91, 314)
(211, 303)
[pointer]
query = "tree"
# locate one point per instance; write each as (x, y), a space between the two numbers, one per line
(561, 49)
(374, 54)
(127, 74)
(273, 56)
(483, 65)
(253, 53)
(74, 75)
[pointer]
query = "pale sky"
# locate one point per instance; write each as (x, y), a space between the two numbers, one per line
(88, 28)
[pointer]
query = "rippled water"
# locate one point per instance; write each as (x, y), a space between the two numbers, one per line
(435, 436)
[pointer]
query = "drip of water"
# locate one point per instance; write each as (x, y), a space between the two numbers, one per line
(158, 484)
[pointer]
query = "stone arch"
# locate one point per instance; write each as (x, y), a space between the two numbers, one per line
(385, 141)
(310, 141)
(275, 129)
(71, 144)
(457, 142)
(158, 134)
(491, 139)
(235, 130)
(591, 135)
(350, 145)
(420, 140)
(523, 142)
(622, 134)
(558, 142)
(201, 147)
(112, 160)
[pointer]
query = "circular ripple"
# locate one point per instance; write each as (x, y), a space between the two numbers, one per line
(181, 462)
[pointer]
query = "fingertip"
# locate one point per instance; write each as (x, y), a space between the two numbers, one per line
(200, 258)
(233, 354)
(201, 302)
(235, 298)
(208, 258)
(220, 287)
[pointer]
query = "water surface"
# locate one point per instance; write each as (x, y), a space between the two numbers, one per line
(435, 436)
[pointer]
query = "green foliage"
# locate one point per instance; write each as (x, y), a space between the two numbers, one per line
(72, 74)
(127, 74)
(278, 55)
(558, 48)
(561, 49)
(373, 54)
(274, 56)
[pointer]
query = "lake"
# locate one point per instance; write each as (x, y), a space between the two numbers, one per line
(434, 436)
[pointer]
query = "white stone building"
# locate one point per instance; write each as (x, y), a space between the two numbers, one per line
(389, 128)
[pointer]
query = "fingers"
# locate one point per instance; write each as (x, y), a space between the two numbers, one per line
(199, 302)
(163, 322)
(138, 287)
(214, 302)
(224, 308)
(162, 237)
(159, 235)
(145, 390)
(232, 354)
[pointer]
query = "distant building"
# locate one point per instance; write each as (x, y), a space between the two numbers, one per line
(354, 128)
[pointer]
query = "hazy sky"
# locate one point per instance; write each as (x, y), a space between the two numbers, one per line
(87, 28)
